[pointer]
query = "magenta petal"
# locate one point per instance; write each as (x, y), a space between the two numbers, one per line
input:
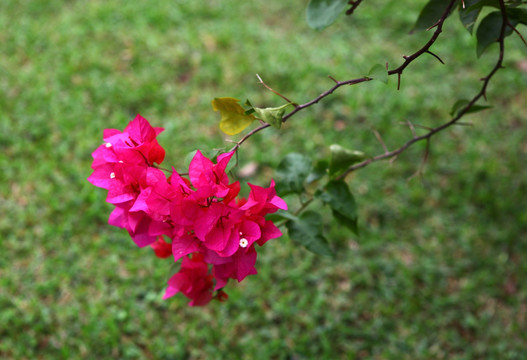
(185, 245)
(218, 238)
(140, 129)
(140, 203)
(223, 161)
(107, 133)
(278, 202)
(206, 221)
(118, 218)
(102, 176)
(199, 166)
(244, 262)
(270, 231)
(233, 244)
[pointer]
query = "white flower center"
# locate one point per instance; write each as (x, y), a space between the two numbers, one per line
(112, 175)
(244, 242)
(108, 145)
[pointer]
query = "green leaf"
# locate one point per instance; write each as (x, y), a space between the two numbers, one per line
(281, 215)
(337, 195)
(430, 14)
(272, 116)
(479, 4)
(233, 116)
(489, 31)
(319, 170)
(291, 173)
(468, 15)
(307, 231)
(188, 158)
(517, 15)
(460, 104)
(342, 158)
(379, 72)
(322, 13)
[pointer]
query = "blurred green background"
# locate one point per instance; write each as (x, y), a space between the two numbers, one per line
(438, 271)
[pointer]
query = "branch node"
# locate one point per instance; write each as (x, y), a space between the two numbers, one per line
(332, 78)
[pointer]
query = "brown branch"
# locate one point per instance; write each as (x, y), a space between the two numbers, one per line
(454, 120)
(248, 135)
(399, 70)
(354, 4)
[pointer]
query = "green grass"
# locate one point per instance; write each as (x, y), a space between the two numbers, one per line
(437, 273)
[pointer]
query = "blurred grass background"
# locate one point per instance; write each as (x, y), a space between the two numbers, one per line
(437, 273)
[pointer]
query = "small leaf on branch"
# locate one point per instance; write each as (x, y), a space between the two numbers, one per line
(188, 158)
(342, 158)
(460, 104)
(322, 13)
(517, 15)
(281, 215)
(469, 14)
(292, 172)
(272, 116)
(307, 231)
(233, 116)
(337, 195)
(479, 4)
(430, 14)
(489, 31)
(379, 72)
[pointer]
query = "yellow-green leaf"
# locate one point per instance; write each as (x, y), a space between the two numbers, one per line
(233, 117)
(272, 116)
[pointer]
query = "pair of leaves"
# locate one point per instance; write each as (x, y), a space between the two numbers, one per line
(234, 118)
(296, 169)
(307, 229)
(322, 13)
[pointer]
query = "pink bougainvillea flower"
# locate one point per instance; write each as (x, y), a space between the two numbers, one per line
(193, 280)
(161, 248)
(263, 201)
(137, 143)
(209, 179)
(208, 226)
(241, 265)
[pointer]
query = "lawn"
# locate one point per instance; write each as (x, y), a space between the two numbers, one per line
(438, 271)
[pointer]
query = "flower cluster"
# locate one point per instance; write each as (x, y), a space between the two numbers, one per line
(213, 230)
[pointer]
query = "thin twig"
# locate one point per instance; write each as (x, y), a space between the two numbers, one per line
(354, 5)
(332, 78)
(437, 57)
(378, 136)
(518, 33)
(411, 126)
(420, 171)
(276, 92)
(454, 120)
